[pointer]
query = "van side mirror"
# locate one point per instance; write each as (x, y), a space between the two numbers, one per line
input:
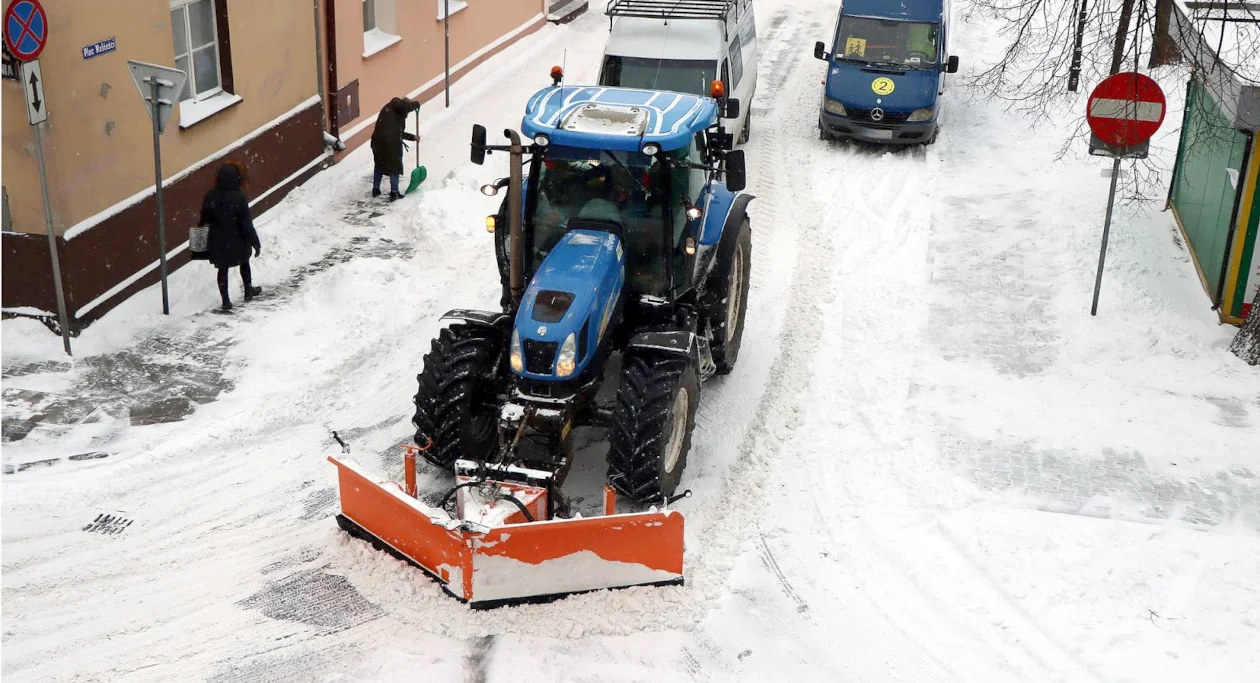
(731, 108)
(951, 66)
(736, 177)
(478, 144)
(820, 51)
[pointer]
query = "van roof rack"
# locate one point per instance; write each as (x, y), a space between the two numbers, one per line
(670, 9)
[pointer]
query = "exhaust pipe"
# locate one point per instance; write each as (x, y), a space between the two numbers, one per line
(516, 260)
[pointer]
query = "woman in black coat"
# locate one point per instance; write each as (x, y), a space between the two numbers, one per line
(225, 210)
(387, 144)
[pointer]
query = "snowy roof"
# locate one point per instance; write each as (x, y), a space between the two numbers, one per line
(655, 39)
(1233, 32)
(1222, 41)
(622, 119)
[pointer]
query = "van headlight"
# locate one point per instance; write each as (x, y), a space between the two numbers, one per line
(834, 107)
(518, 363)
(567, 360)
(922, 114)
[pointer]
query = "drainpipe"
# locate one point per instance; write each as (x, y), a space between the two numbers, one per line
(1233, 217)
(330, 140)
(319, 68)
(330, 41)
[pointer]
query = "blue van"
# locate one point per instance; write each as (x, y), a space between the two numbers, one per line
(886, 71)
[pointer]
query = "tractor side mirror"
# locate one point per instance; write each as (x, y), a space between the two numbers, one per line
(736, 178)
(951, 66)
(731, 108)
(478, 144)
(820, 51)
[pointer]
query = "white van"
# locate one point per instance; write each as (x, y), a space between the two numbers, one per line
(684, 47)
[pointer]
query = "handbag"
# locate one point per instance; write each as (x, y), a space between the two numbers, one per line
(199, 242)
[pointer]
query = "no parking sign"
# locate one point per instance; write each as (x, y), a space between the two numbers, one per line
(25, 29)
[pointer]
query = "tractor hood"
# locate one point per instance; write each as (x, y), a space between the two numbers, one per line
(854, 86)
(573, 293)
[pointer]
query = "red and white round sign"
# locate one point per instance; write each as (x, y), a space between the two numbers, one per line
(1126, 109)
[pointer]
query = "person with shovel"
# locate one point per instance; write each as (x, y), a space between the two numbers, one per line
(387, 144)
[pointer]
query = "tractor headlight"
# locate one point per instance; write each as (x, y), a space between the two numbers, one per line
(922, 114)
(567, 361)
(834, 107)
(515, 358)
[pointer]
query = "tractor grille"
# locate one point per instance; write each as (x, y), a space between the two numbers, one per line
(539, 356)
(865, 116)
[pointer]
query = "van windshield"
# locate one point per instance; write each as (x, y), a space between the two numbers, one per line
(689, 76)
(885, 42)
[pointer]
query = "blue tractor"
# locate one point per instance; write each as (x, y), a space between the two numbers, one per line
(623, 236)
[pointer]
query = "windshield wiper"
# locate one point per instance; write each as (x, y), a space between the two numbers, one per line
(624, 168)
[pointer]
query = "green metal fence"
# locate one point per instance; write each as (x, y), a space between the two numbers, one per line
(1208, 167)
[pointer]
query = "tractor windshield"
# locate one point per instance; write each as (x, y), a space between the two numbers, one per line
(623, 192)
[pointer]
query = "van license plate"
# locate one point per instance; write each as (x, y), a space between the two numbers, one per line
(880, 134)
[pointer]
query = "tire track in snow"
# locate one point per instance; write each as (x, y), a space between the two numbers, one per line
(924, 589)
(736, 505)
(771, 564)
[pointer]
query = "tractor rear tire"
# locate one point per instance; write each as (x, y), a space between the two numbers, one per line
(728, 296)
(453, 404)
(652, 425)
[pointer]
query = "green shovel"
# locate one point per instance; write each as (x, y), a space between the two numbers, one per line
(419, 173)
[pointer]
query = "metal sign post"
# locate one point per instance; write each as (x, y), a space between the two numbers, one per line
(1123, 112)
(1102, 254)
(159, 86)
(37, 113)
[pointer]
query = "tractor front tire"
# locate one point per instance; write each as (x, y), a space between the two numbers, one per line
(728, 297)
(454, 404)
(652, 425)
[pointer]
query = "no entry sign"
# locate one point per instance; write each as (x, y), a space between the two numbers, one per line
(25, 29)
(1126, 109)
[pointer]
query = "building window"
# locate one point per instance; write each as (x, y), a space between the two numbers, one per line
(194, 28)
(203, 50)
(379, 26)
(456, 5)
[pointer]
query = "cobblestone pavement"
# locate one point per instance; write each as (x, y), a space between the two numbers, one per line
(162, 378)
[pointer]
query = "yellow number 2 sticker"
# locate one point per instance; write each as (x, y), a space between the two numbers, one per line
(883, 86)
(855, 46)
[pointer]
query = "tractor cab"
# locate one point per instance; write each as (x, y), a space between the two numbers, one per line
(636, 163)
(640, 200)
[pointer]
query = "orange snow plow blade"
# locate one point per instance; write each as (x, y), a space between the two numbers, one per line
(505, 563)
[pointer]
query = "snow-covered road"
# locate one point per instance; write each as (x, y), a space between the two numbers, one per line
(931, 464)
